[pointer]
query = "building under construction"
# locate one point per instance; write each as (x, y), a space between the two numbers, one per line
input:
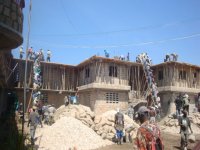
(105, 83)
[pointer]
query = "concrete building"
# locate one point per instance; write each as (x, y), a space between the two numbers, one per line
(107, 83)
(173, 78)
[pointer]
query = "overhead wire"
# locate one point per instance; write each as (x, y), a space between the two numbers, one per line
(66, 15)
(149, 27)
(115, 46)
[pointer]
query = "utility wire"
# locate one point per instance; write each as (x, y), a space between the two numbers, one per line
(150, 27)
(66, 15)
(115, 46)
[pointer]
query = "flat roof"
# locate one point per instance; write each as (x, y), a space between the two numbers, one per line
(113, 60)
(104, 59)
(44, 62)
(176, 62)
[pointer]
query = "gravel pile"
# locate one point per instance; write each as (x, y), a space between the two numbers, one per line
(66, 133)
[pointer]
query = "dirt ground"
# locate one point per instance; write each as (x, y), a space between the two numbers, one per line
(171, 142)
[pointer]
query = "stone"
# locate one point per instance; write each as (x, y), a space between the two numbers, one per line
(13, 16)
(1, 8)
(7, 2)
(103, 135)
(97, 119)
(8, 22)
(14, 7)
(191, 138)
(2, 18)
(6, 11)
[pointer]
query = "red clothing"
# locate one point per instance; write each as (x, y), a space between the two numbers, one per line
(145, 135)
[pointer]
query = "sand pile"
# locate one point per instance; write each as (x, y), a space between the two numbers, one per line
(66, 133)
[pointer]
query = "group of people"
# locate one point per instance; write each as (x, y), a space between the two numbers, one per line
(152, 93)
(32, 55)
(171, 57)
(148, 134)
(40, 114)
(182, 112)
(182, 103)
(70, 100)
(121, 57)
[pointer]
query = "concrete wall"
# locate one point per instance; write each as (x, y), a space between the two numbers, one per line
(96, 100)
(54, 97)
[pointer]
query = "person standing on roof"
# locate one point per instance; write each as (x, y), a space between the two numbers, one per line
(174, 56)
(167, 58)
(128, 57)
(106, 54)
(119, 125)
(21, 52)
(48, 55)
(148, 134)
(41, 54)
(30, 52)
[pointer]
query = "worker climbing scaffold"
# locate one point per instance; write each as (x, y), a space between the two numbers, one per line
(153, 101)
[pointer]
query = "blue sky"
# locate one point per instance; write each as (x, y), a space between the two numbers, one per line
(75, 30)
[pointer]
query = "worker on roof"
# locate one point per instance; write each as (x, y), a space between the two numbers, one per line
(106, 54)
(21, 52)
(48, 55)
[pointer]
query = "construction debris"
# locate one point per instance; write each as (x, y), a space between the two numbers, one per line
(103, 125)
(67, 133)
(80, 112)
(171, 124)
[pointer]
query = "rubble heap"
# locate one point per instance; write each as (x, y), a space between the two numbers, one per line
(68, 132)
(103, 125)
(195, 118)
(171, 124)
(80, 112)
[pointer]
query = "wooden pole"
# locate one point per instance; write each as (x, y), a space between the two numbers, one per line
(29, 101)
